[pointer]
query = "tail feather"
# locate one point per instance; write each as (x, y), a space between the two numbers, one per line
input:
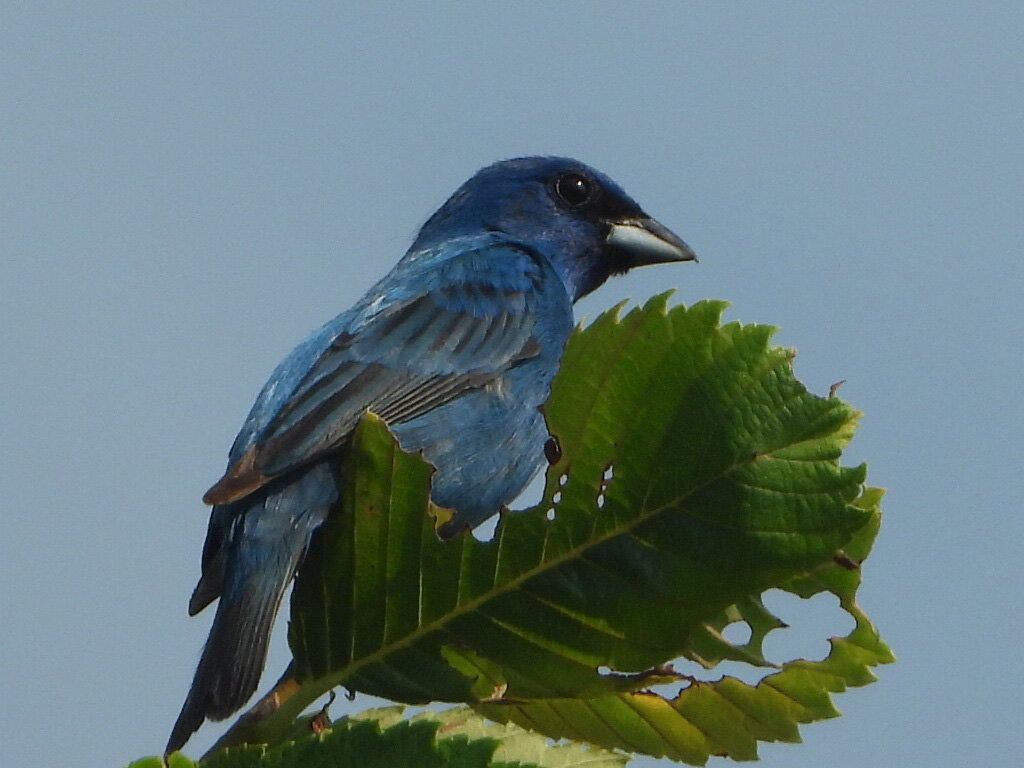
(233, 658)
(265, 543)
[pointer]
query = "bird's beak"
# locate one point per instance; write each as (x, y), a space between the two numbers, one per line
(642, 241)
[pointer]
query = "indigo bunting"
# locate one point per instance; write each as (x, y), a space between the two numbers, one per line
(455, 349)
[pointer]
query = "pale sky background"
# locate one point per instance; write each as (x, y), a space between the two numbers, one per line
(189, 188)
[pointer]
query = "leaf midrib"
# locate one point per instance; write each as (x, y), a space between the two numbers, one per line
(544, 566)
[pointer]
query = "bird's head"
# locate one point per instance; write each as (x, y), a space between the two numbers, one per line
(577, 217)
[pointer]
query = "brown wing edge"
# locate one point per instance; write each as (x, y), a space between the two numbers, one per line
(241, 479)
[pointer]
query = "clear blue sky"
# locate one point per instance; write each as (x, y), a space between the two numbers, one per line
(189, 188)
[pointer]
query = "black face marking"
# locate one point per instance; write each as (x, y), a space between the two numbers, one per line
(583, 194)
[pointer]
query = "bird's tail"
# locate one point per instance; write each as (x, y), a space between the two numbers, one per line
(261, 552)
(229, 669)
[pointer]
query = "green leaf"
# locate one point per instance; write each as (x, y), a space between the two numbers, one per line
(696, 473)
(177, 760)
(381, 738)
(728, 717)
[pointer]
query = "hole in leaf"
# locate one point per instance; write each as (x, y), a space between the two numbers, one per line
(606, 477)
(737, 633)
(485, 531)
(557, 497)
(811, 623)
(531, 495)
(551, 513)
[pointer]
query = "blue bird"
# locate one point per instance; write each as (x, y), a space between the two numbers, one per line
(455, 349)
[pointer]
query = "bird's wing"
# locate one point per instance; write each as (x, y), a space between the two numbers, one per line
(473, 320)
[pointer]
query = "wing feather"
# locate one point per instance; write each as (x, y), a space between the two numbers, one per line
(399, 361)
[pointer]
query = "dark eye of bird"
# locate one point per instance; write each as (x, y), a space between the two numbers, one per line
(575, 189)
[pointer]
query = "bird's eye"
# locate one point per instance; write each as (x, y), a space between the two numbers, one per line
(575, 189)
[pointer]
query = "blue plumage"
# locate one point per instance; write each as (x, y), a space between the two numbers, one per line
(455, 348)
